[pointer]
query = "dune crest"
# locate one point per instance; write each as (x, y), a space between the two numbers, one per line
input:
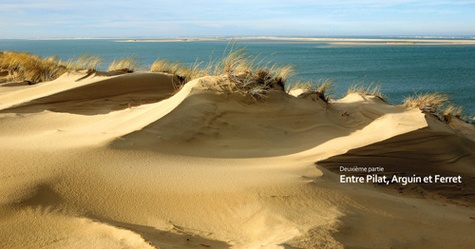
(129, 161)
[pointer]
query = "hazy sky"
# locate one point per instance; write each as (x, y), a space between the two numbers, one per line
(145, 18)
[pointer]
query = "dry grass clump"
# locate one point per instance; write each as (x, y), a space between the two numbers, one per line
(251, 77)
(258, 82)
(436, 104)
(429, 102)
(454, 111)
(186, 73)
(127, 65)
(244, 75)
(245, 69)
(22, 66)
(182, 72)
(318, 90)
(164, 66)
(282, 73)
(370, 89)
(88, 62)
(233, 63)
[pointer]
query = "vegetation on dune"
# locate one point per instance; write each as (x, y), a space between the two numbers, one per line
(244, 74)
(126, 65)
(318, 90)
(88, 62)
(241, 68)
(25, 67)
(366, 89)
(437, 104)
(182, 72)
(30, 68)
(248, 76)
(454, 111)
(429, 102)
(239, 73)
(166, 67)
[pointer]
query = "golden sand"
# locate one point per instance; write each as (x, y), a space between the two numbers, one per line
(128, 161)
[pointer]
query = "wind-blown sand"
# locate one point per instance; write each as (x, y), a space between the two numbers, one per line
(127, 161)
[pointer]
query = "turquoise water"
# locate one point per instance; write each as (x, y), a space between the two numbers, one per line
(400, 70)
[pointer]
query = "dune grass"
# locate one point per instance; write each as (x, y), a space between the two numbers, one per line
(245, 74)
(182, 72)
(437, 104)
(164, 66)
(246, 68)
(233, 63)
(241, 68)
(22, 66)
(452, 110)
(428, 102)
(314, 90)
(252, 76)
(127, 65)
(366, 89)
(88, 62)
(25, 67)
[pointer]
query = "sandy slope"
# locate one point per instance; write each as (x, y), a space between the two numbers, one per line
(124, 162)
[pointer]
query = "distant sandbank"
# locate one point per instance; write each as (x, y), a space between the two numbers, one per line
(334, 40)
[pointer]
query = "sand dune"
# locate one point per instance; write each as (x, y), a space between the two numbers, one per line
(85, 94)
(127, 161)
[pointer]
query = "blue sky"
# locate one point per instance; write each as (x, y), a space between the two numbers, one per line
(171, 18)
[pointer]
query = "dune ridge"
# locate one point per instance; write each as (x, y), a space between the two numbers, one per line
(128, 161)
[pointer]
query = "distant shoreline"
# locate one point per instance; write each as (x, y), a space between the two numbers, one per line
(342, 41)
(416, 40)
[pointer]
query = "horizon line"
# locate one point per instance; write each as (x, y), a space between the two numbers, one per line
(252, 37)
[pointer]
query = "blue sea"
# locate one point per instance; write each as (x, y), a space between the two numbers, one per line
(401, 70)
